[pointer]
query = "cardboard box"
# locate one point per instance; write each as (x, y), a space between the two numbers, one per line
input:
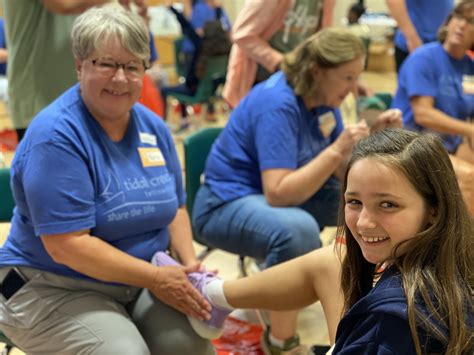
(381, 57)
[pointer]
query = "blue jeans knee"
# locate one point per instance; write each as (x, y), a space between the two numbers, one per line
(249, 226)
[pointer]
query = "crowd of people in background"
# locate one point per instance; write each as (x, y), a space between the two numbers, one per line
(100, 256)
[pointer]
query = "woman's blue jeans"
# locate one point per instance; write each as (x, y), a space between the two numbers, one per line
(249, 226)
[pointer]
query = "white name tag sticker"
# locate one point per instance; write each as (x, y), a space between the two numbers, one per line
(468, 84)
(327, 123)
(151, 157)
(147, 138)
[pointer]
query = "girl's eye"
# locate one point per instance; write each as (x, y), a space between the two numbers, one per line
(353, 202)
(387, 204)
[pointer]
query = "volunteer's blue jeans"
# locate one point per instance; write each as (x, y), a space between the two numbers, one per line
(249, 226)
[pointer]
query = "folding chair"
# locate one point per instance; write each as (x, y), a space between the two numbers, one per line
(214, 75)
(7, 204)
(196, 149)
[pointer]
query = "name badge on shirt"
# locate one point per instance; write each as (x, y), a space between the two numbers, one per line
(147, 138)
(327, 122)
(151, 157)
(468, 84)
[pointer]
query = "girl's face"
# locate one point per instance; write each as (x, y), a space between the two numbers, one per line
(382, 209)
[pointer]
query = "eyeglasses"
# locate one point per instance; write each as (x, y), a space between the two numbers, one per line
(459, 16)
(108, 67)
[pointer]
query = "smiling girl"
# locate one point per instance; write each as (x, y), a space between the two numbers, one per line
(403, 212)
(406, 251)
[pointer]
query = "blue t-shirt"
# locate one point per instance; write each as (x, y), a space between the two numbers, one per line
(427, 17)
(3, 44)
(202, 13)
(430, 71)
(271, 128)
(68, 175)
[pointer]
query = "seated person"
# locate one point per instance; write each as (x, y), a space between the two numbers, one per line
(198, 12)
(214, 41)
(271, 178)
(435, 93)
(98, 189)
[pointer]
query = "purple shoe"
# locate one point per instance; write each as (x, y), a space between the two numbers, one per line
(213, 327)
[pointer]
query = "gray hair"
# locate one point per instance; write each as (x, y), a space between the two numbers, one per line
(328, 48)
(97, 24)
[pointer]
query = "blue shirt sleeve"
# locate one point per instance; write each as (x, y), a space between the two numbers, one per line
(419, 77)
(276, 139)
(58, 188)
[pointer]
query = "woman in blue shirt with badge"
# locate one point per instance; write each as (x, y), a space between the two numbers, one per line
(98, 190)
(436, 92)
(271, 177)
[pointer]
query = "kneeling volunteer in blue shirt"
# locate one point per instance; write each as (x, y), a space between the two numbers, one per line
(98, 190)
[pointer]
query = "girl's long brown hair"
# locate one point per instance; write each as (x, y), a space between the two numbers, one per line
(437, 264)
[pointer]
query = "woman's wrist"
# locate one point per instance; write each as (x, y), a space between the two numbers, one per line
(187, 257)
(335, 153)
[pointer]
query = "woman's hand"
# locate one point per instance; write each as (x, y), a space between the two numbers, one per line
(172, 287)
(349, 137)
(197, 264)
(390, 118)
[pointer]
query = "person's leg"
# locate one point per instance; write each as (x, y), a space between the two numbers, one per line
(400, 57)
(465, 150)
(249, 226)
(177, 89)
(324, 204)
(210, 111)
(294, 284)
(166, 331)
(53, 314)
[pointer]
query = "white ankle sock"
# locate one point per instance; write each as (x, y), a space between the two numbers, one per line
(276, 341)
(215, 292)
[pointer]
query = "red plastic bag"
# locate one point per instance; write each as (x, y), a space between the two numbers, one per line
(151, 97)
(8, 140)
(239, 338)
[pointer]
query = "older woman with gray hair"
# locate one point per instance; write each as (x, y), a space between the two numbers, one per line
(98, 190)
